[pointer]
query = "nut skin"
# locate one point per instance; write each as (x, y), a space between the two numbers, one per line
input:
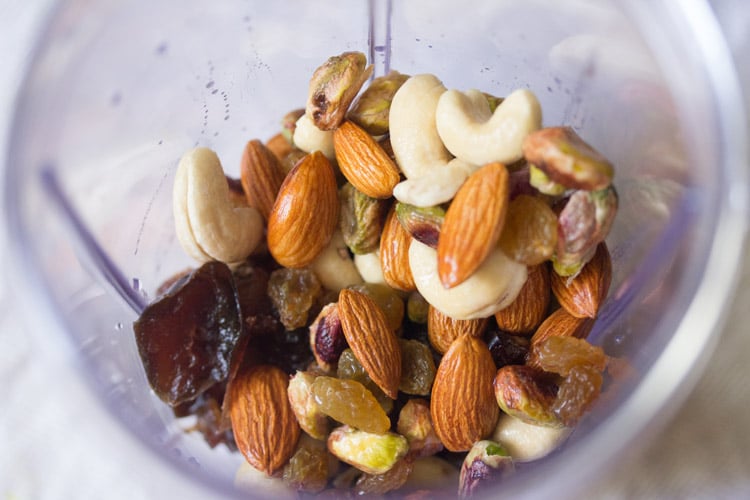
(463, 406)
(583, 223)
(422, 223)
(374, 344)
(364, 162)
(526, 393)
(567, 159)
(442, 330)
(371, 110)
(361, 219)
(327, 340)
(483, 466)
(333, 87)
(264, 425)
(473, 224)
(261, 175)
(529, 309)
(370, 453)
(289, 123)
(305, 214)
(309, 416)
(583, 294)
(394, 254)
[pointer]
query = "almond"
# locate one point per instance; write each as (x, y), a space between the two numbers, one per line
(562, 323)
(279, 146)
(371, 340)
(364, 162)
(463, 405)
(583, 294)
(305, 214)
(264, 425)
(261, 176)
(529, 309)
(473, 224)
(394, 254)
(442, 330)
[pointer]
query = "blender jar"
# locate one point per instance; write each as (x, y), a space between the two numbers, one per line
(117, 92)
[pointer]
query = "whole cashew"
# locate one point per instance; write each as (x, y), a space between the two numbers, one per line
(473, 133)
(208, 226)
(493, 286)
(439, 186)
(309, 138)
(334, 267)
(526, 442)
(414, 136)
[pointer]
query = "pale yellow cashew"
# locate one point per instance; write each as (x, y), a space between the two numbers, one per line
(414, 137)
(368, 266)
(470, 131)
(527, 442)
(334, 266)
(310, 138)
(439, 186)
(493, 286)
(208, 226)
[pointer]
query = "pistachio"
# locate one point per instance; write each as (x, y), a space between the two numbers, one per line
(541, 181)
(327, 338)
(526, 393)
(486, 462)
(368, 452)
(289, 123)
(361, 219)
(566, 159)
(423, 223)
(583, 223)
(371, 110)
(415, 424)
(311, 418)
(333, 87)
(417, 308)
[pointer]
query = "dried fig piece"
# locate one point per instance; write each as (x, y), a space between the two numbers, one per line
(185, 338)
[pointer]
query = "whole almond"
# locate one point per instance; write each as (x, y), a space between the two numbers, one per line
(473, 224)
(305, 214)
(529, 309)
(442, 330)
(463, 405)
(364, 162)
(261, 175)
(371, 340)
(263, 422)
(583, 294)
(561, 323)
(394, 254)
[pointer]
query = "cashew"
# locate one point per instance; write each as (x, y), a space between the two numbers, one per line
(368, 265)
(414, 136)
(439, 186)
(334, 267)
(493, 286)
(208, 226)
(250, 480)
(309, 138)
(526, 442)
(473, 133)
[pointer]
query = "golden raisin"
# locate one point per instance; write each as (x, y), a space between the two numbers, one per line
(351, 403)
(530, 232)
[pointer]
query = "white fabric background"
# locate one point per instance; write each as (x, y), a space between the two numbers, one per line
(55, 443)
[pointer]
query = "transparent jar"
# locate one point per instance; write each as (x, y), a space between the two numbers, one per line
(117, 91)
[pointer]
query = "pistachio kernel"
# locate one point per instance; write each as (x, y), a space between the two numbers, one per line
(486, 462)
(361, 219)
(371, 110)
(526, 393)
(423, 223)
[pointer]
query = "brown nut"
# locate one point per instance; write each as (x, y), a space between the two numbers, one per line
(562, 324)
(261, 175)
(526, 393)
(333, 87)
(442, 330)
(463, 406)
(394, 254)
(305, 214)
(583, 294)
(529, 309)
(567, 159)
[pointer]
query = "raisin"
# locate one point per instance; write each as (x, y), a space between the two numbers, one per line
(351, 403)
(378, 484)
(293, 292)
(561, 354)
(349, 367)
(507, 349)
(417, 368)
(252, 285)
(185, 338)
(530, 231)
(388, 300)
(307, 470)
(577, 393)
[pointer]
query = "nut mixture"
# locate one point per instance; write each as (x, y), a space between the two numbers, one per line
(399, 285)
